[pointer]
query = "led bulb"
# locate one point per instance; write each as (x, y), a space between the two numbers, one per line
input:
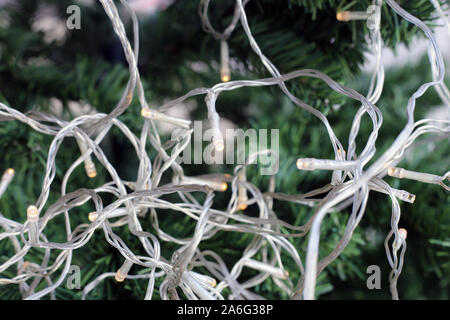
(209, 281)
(224, 62)
(413, 175)
(155, 115)
(225, 74)
(93, 216)
(6, 180)
(90, 169)
(321, 164)
(32, 213)
(242, 191)
(223, 186)
(33, 218)
(119, 277)
(216, 185)
(122, 273)
(352, 15)
(243, 206)
(146, 112)
(405, 196)
(89, 165)
(396, 172)
(304, 164)
(196, 286)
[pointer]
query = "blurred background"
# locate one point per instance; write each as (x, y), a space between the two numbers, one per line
(45, 66)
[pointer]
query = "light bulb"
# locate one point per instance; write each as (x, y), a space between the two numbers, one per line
(242, 191)
(223, 186)
(352, 15)
(32, 213)
(159, 116)
(146, 112)
(224, 62)
(413, 175)
(213, 184)
(304, 164)
(93, 216)
(195, 286)
(243, 206)
(209, 281)
(7, 177)
(405, 195)
(321, 164)
(225, 75)
(122, 273)
(33, 218)
(89, 165)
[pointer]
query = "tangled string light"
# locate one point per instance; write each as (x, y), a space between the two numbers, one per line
(351, 182)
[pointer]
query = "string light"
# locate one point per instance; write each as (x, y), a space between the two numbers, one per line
(418, 176)
(89, 165)
(122, 273)
(33, 218)
(319, 164)
(352, 15)
(198, 289)
(216, 185)
(7, 177)
(242, 191)
(92, 216)
(158, 116)
(205, 279)
(224, 62)
(149, 191)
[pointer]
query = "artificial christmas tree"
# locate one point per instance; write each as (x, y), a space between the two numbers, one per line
(132, 211)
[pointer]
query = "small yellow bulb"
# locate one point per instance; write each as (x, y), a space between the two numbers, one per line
(92, 216)
(352, 15)
(243, 206)
(32, 212)
(402, 233)
(146, 112)
(342, 16)
(225, 77)
(119, 276)
(223, 187)
(302, 164)
(10, 171)
(92, 173)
